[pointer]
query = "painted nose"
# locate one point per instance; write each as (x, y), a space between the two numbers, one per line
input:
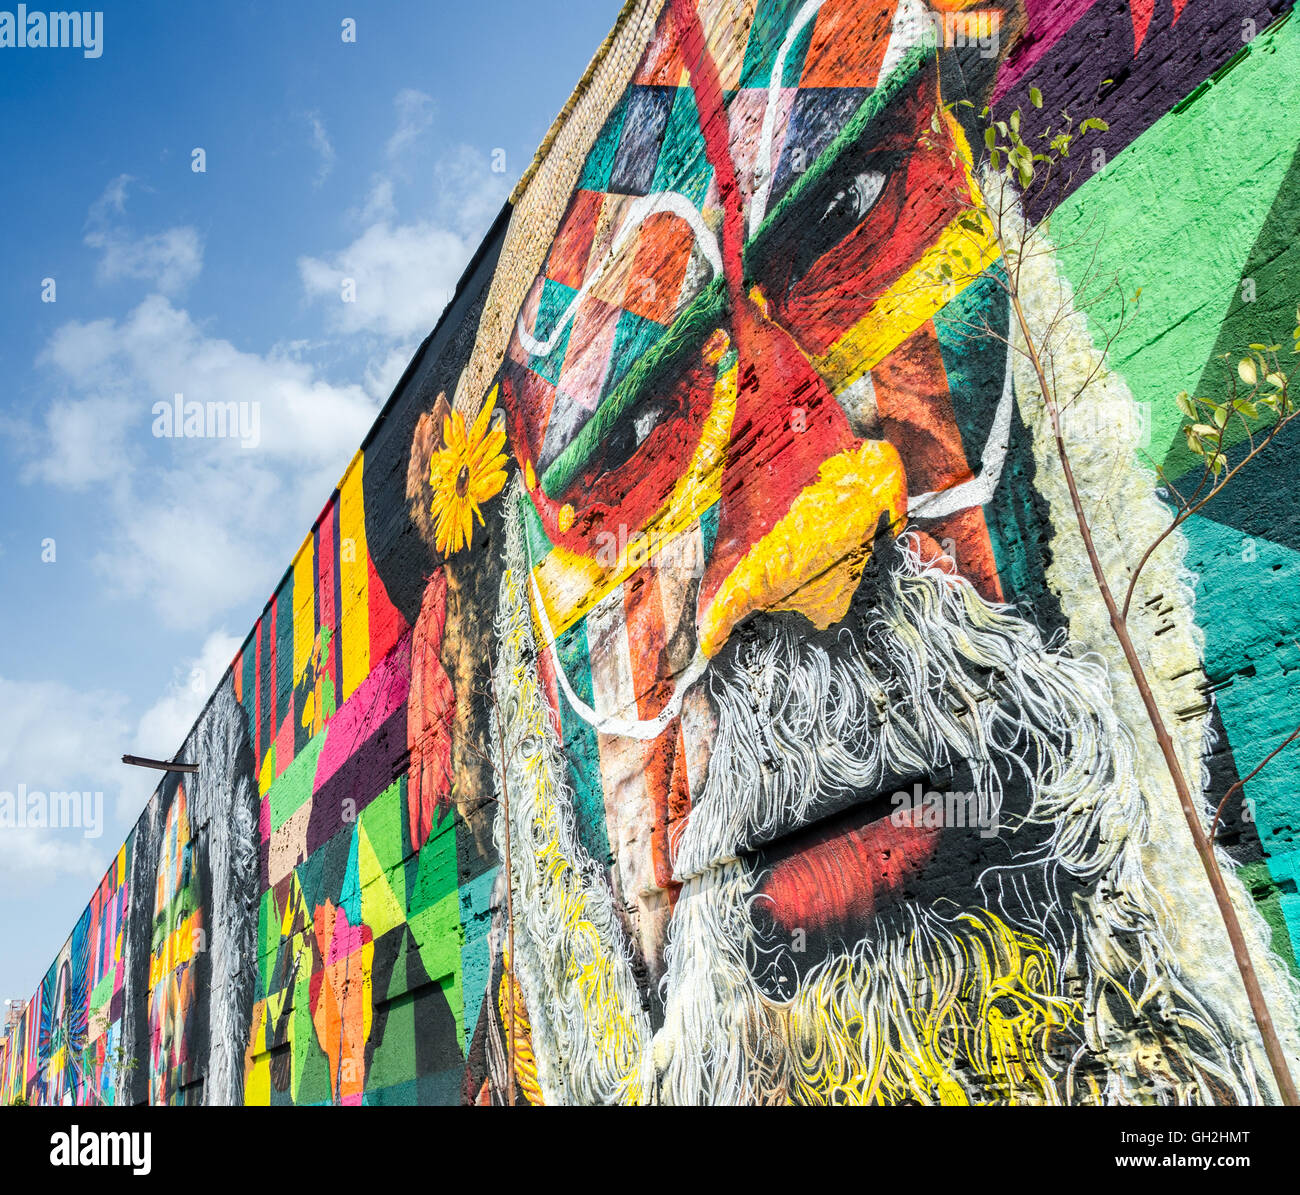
(801, 497)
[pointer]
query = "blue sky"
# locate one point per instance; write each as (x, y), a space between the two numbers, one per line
(325, 160)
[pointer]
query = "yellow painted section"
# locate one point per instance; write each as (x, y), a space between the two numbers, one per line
(811, 560)
(304, 607)
(257, 1079)
(571, 585)
(257, 1087)
(907, 305)
(177, 948)
(290, 910)
(380, 909)
(354, 581)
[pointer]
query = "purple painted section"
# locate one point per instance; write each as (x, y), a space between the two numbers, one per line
(365, 747)
(1047, 21)
(1095, 72)
(377, 698)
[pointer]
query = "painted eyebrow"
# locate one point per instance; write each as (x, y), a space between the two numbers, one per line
(689, 330)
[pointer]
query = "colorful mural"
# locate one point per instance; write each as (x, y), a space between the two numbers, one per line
(712, 567)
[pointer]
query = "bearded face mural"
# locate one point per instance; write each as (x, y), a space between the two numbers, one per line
(695, 690)
(811, 800)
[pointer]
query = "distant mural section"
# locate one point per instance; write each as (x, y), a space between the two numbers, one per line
(711, 565)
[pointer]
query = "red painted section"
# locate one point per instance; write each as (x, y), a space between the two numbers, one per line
(430, 710)
(841, 877)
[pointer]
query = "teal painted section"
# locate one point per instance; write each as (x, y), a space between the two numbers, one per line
(1252, 652)
(476, 963)
(581, 748)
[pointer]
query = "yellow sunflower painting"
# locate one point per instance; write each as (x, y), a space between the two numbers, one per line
(465, 473)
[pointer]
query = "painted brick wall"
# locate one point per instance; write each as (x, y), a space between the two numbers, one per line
(712, 559)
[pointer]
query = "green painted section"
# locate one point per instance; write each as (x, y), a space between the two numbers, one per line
(555, 301)
(103, 991)
(772, 21)
(538, 546)
(385, 823)
(1177, 214)
(294, 787)
(434, 916)
(683, 164)
(1268, 898)
(1263, 311)
(600, 161)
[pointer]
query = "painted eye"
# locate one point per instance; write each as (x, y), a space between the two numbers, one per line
(633, 431)
(857, 198)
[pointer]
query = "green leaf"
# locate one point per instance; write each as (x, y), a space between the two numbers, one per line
(1246, 368)
(1035, 97)
(1186, 405)
(990, 138)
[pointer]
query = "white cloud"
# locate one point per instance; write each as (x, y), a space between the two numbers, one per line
(81, 349)
(414, 115)
(401, 274)
(394, 279)
(197, 526)
(90, 435)
(165, 724)
(55, 738)
(379, 203)
(469, 194)
(158, 351)
(383, 373)
(169, 260)
(320, 142)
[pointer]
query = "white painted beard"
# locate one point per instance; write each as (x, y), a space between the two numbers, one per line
(932, 676)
